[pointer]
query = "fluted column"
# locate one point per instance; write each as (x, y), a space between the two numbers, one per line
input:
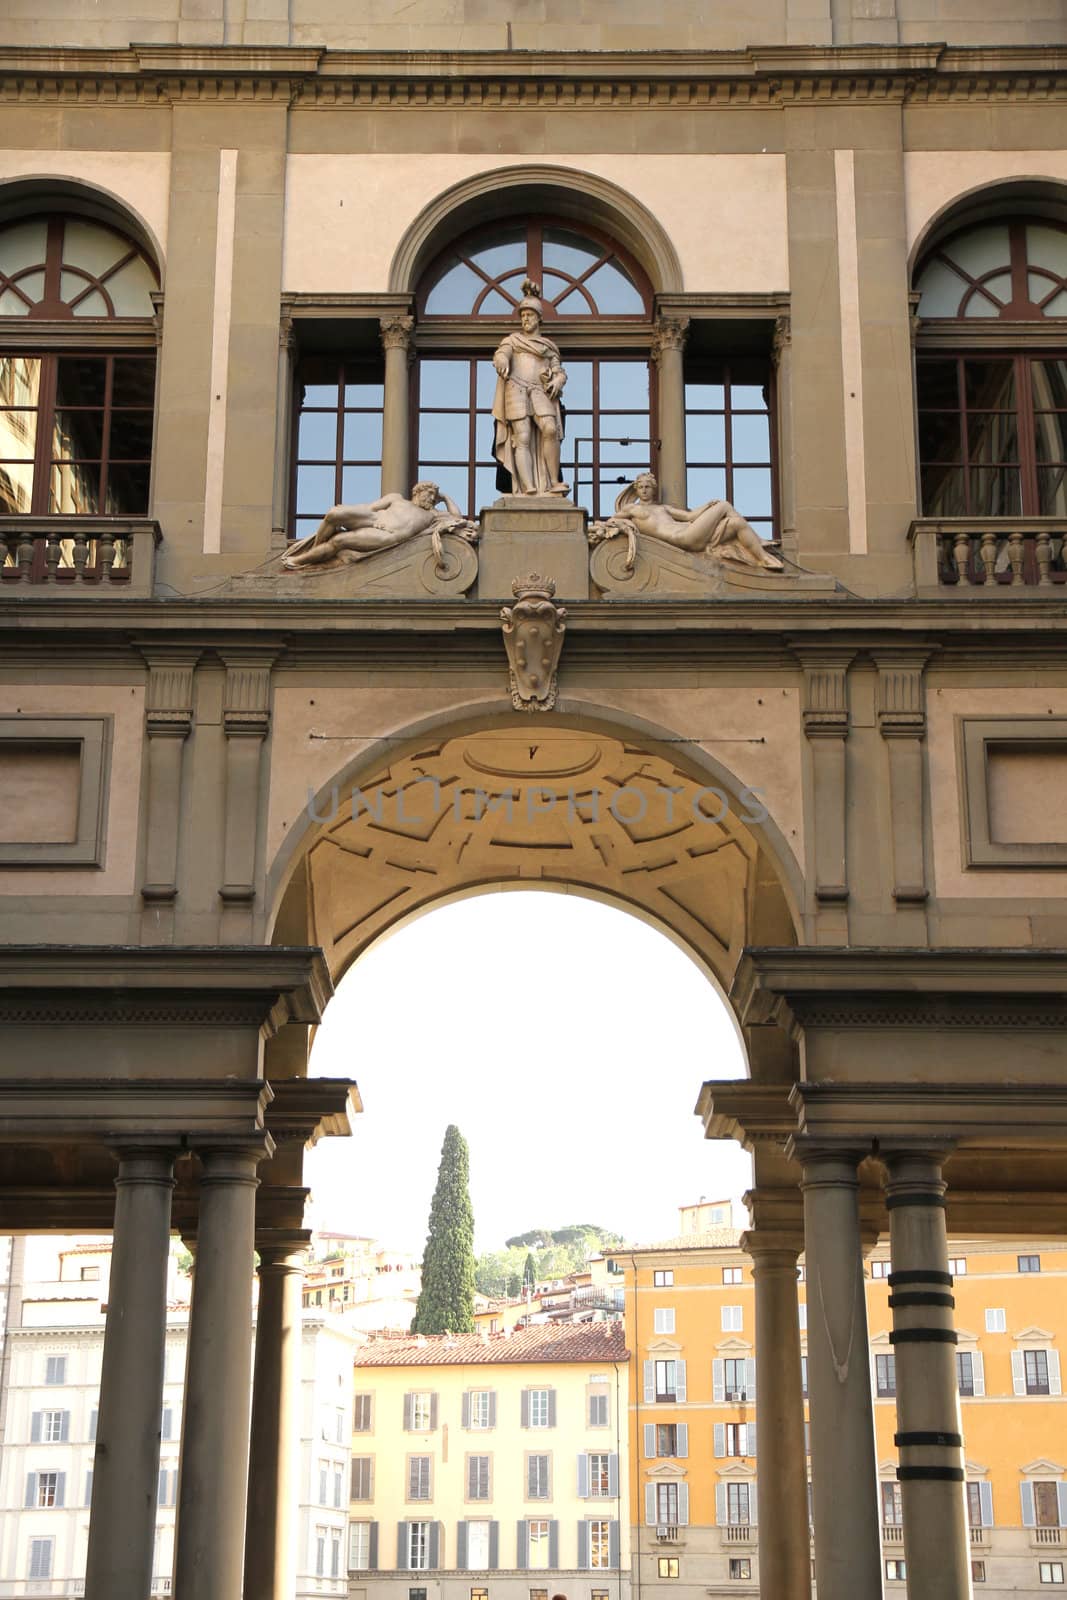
(270, 1550)
(784, 1553)
(396, 426)
(848, 1554)
(213, 1481)
(668, 352)
(929, 1437)
(126, 1461)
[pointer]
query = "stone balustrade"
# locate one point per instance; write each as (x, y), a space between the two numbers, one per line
(76, 555)
(965, 553)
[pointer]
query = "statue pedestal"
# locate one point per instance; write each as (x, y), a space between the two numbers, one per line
(523, 533)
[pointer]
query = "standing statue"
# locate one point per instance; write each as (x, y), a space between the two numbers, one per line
(529, 423)
(359, 531)
(715, 528)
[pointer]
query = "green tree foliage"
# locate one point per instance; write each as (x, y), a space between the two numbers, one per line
(446, 1299)
(541, 1253)
(529, 1273)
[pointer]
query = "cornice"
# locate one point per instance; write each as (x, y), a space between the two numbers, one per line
(494, 80)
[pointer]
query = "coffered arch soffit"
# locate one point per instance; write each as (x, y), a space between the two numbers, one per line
(496, 196)
(598, 807)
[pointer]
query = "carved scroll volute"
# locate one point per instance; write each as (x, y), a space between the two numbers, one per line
(533, 638)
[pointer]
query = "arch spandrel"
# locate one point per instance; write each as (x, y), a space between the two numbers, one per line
(593, 809)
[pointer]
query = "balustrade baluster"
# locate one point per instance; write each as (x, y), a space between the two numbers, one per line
(1016, 556)
(81, 554)
(1043, 552)
(962, 551)
(24, 554)
(105, 554)
(988, 552)
(52, 554)
(9, 549)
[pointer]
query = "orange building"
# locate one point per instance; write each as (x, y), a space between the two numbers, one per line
(690, 1323)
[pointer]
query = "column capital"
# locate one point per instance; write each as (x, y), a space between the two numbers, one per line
(282, 1249)
(773, 1249)
(669, 333)
(397, 333)
(781, 339)
(145, 1163)
(825, 1161)
(234, 1162)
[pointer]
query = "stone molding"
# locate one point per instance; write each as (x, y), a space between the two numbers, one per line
(169, 695)
(919, 1114)
(398, 333)
(669, 333)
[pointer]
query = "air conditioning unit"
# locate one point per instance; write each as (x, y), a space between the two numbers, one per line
(667, 1531)
(737, 1394)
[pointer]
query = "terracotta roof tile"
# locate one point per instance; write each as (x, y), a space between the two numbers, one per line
(597, 1341)
(710, 1239)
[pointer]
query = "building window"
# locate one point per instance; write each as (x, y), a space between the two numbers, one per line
(804, 1377)
(975, 1517)
(585, 278)
(41, 1550)
(965, 1372)
(419, 1477)
(1050, 1571)
(896, 1571)
(54, 1426)
(802, 1315)
(1035, 1371)
(337, 455)
(1029, 1263)
(666, 1380)
(540, 1412)
(478, 1478)
(881, 1269)
(663, 1279)
(892, 1506)
(75, 419)
(599, 1411)
(478, 1546)
(996, 1319)
(957, 1265)
(735, 1378)
(993, 423)
(421, 1412)
(481, 1408)
(885, 1376)
(740, 1566)
(538, 1544)
(417, 1594)
(663, 1320)
(47, 1488)
(599, 1473)
(538, 1594)
(667, 1566)
(1046, 1500)
(666, 1503)
(732, 1319)
(666, 1438)
(732, 1274)
(55, 1370)
(479, 1594)
(338, 1487)
(89, 1274)
(537, 1477)
(977, 1571)
(600, 1545)
(729, 438)
(362, 1477)
(362, 1413)
(359, 1544)
(737, 1504)
(418, 1546)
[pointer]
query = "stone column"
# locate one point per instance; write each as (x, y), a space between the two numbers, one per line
(126, 1462)
(784, 1553)
(782, 357)
(930, 1440)
(270, 1551)
(848, 1552)
(668, 347)
(396, 429)
(214, 1462)
(283, 433)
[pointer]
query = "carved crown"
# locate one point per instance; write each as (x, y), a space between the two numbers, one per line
(533, 585)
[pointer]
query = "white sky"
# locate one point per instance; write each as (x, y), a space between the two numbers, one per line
(566, 1039)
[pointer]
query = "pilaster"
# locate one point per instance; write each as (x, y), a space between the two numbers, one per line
(168, 723)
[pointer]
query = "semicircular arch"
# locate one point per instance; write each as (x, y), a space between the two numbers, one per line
(505, 192)
(1034, 196)
(29, 193)
(595, 802)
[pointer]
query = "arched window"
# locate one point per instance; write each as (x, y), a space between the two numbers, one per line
(77, 368)
(991, 372)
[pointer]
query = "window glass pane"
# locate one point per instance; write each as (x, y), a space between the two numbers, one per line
(495, 305)
(992, 437)
(78, 435)
(578, 393)
(704, 484)
(358, 393)
(23, 244)
(1050, 435)
(131, 289)
(74, 487)
(995, 492)
(979, 250)
(131, 436)
(485, 385)
(127, 489)
(614, 292)
(989, 385)
(318, 383)
(360, 485)
(16, 486)
(752, 491)
(1047, 247)
(485, 489)
(938, 385)
(92, 247)
(317, 436)
(748, 396)
(980, 305)
(94, 304)
(615, 426)
(80, 381)
(444, 383)
(452, 480)
(568, 250)
(444, 436)
(624, 385)
(455, 292)
(705, 438)
(751, 438)
(12, 305)
(1048, 380)
(314, 490)
(505, 253)
(1057, 307)
(940, 290)
(1052, 491)
(362, 436)
(940, 436)
(133, 381)
(705, 396)
(1038, 285)
(556, 288)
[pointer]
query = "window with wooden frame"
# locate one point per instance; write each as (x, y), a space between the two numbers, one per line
(990, 373)
(77, 368)
(337, 447)
(730, 443)
(597, 307)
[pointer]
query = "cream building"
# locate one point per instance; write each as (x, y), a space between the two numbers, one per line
(491, 1464)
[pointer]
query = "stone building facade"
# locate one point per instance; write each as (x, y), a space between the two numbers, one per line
(256, 260)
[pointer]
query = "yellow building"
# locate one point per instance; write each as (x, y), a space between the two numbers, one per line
(690, 1320)
(497, 1461)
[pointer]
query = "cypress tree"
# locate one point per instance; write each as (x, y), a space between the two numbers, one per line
(529, 1274)
(446, 1298)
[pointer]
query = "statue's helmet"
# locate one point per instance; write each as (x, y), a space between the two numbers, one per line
(531, 298)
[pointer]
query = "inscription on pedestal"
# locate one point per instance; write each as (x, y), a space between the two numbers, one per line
(521, 534)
